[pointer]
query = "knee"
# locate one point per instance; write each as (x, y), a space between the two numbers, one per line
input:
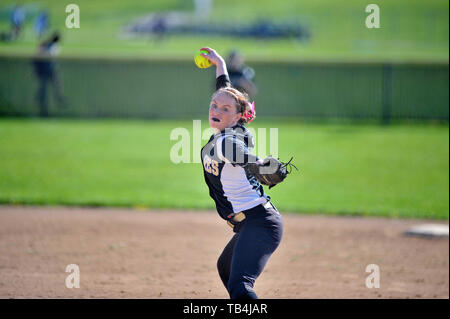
(241, 290)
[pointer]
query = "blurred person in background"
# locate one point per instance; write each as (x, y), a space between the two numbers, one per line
(17, 21)
(45, 71)
(241, 76)
(41, 24)
(159, 27)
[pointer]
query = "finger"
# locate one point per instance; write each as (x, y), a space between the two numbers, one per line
(207, 49)
(206, 56)
(210, 51)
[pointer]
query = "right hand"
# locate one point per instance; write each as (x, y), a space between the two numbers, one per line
(213, 56)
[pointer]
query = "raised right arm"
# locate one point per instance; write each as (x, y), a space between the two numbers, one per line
(222, 78)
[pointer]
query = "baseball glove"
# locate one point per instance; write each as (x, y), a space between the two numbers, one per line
(271, 172)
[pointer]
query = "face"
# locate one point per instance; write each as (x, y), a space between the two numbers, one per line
(223, 112)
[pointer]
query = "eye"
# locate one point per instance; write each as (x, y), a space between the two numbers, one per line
(226, 109)
(214, 106)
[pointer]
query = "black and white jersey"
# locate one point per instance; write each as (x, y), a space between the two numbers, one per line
(224, 160)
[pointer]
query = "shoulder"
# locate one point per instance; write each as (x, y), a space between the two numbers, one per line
(230, 140)
(222, 81)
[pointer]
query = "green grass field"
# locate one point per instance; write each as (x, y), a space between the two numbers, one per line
(413, 30)
(398, 171)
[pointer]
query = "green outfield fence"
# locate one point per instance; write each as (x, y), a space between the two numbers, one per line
(177, 89)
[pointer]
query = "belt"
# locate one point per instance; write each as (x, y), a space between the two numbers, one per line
(235, 218)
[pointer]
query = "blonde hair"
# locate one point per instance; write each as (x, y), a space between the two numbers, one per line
(243, 105)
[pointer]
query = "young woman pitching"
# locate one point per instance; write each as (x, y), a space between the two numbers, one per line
(233, 176)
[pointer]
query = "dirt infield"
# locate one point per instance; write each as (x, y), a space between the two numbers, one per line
(163, 254)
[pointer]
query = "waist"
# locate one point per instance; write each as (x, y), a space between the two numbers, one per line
(253, 210)
(237, 218)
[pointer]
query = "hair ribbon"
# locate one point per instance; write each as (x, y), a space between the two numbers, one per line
(249, 116)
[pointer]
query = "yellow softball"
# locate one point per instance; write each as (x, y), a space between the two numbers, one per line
(202, 62)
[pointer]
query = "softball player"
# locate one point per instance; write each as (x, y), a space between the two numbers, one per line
(238, 195)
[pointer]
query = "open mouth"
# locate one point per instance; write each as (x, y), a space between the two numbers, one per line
(215, 119)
